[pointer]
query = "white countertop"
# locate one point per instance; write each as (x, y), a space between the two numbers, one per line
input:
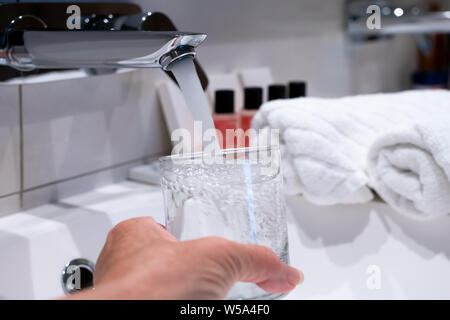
(338, 246)
(334, 246)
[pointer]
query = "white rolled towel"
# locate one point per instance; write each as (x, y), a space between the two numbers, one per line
(325, 142)
(409, 167)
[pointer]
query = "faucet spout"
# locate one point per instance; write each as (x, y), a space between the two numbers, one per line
(29, 49)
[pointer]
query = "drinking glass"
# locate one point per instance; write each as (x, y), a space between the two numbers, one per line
(235, 194)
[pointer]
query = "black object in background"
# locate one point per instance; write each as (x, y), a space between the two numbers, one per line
(277, 91)
(297, 89)
(224, 101)
(430, 80)
(253, 98)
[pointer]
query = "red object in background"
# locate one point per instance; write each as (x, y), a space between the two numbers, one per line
(246, 119)
(222, 122)
(246, 123)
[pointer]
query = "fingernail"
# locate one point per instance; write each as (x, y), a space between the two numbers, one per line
(294, 276)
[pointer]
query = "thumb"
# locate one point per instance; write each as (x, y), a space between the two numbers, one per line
(262, 266)
(252, 263)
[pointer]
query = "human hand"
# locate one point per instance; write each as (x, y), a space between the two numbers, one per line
(141, 260)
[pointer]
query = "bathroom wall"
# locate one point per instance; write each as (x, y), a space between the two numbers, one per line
(10, 175)
(63, 134)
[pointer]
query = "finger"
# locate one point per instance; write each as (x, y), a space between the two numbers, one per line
(261, 265)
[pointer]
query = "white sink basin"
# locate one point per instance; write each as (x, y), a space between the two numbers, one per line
(334, 246)
(35, 245)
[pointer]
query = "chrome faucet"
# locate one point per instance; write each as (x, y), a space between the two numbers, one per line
(29, 49)
(119, 41)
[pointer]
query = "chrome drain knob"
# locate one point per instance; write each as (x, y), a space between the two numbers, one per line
(77, 275)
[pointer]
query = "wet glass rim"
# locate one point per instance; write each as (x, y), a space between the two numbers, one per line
(197, 155)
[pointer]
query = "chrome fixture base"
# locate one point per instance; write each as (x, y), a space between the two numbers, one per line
(77, 275)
